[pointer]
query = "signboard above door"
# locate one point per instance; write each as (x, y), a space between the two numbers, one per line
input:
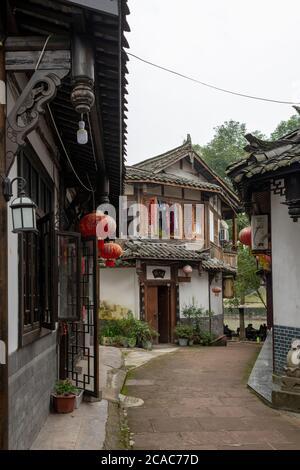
(158, 273)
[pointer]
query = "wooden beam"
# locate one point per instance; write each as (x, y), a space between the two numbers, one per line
(36, 43)
(27, 60)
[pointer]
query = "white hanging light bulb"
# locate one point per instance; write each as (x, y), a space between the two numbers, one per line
(82, 135)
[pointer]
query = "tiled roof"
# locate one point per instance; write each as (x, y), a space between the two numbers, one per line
(266, 157)
(134, 174)
(171, 251)
(157, 165)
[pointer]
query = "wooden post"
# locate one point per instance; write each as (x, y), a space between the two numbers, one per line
(242, 323)
(3, 268)
(234, 232)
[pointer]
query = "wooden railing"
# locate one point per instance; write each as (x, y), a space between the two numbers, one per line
(227, 256)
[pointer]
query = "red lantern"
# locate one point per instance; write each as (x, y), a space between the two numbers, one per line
(245, 236)
(88, 224)
(216, 290)
(110, 252)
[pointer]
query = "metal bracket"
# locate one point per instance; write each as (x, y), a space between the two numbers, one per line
(24, 117)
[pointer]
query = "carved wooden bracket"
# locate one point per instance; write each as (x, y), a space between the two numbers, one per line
(24, 117)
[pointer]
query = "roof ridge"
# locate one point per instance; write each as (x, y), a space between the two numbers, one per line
(186, 144)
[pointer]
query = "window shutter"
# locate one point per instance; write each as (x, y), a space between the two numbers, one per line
(69, 266)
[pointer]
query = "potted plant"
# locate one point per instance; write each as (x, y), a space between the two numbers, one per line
(184, 333)
(145, 334)
(64, 396)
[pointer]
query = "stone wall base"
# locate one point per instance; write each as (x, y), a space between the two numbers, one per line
(286, 400)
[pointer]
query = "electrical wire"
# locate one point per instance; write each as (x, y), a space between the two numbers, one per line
(67, 155)
(42, 52)
(209, 85)
(91, 189)
(92, 141)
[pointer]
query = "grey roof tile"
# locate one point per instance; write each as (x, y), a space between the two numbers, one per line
(170, 251)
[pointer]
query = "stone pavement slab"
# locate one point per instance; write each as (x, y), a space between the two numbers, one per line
(84, 429)
(197, 398)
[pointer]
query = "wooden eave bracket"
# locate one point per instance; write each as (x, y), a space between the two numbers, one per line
(39, 91)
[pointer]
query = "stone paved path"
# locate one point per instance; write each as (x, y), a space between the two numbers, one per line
(196, 398)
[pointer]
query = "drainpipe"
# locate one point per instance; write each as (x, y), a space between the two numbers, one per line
(3, 267)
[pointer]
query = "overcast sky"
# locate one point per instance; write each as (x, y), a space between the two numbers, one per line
(250, 47)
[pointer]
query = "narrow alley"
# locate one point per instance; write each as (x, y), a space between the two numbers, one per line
(197, 398)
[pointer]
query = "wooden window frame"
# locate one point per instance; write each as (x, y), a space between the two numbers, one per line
(77, 238)
(39, 328)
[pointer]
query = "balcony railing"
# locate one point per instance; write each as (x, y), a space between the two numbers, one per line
(228, 256)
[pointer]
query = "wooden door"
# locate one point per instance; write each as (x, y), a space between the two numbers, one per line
(164, 314)
(152, 307)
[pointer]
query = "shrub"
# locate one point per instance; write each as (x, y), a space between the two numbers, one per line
(127, 328)
(206, 338)
(193, 313)
(144, 332)
(184, 331)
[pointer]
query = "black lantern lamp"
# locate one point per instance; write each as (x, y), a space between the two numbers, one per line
(292, 195)
(22, 207)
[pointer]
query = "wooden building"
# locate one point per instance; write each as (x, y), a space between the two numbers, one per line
(268, 181)
(61, 62)
(150, 280)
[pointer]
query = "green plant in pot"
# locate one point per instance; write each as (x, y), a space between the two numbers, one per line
(145, 334)
(64, 396)
(184, 334)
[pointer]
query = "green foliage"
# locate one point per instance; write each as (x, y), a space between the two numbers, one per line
(65, 387)
(285, 127)
(206, 338)
(184, 331)
(193, 313)
(228, 142)
(127, 331)
(144, 332)
(226, 146)
(247, 279)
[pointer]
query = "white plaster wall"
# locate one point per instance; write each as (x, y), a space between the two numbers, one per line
(13, 261)
(120, 286)
(197, 289)
(186, 172)
(285, 264)
(216, 301)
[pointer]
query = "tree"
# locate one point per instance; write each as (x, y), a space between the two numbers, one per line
(247, 281)
(284, 127)
(226, 146)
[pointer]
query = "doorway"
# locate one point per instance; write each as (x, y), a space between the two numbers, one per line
(163, 311)
(159, 311)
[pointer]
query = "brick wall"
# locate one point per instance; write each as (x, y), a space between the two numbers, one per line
(282, 338)
(32, 375)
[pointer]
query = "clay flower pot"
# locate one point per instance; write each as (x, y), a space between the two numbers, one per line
(64, 403)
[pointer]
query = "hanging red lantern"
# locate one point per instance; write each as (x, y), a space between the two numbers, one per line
(97, 224)
(110, 252)
(216, 290)
(88, 224)
(245, 236)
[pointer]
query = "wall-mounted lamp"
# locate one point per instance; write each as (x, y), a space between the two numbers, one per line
(22, 207)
